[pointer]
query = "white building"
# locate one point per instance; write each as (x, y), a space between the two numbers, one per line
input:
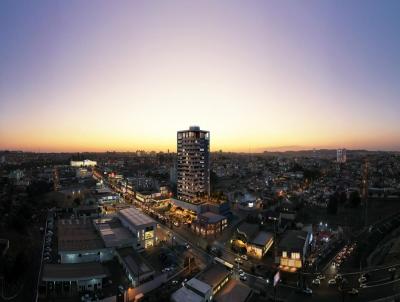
(139, 224)
(83, 163)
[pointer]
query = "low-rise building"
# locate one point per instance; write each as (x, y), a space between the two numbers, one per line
(293, 250)
(255, 241)
(68, 279)
(209, 224)
(78, 241)
(205, 286)
(141, 225)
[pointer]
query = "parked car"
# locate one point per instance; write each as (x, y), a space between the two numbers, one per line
(243, 278)
(244, 257)
(353, 291)
(332, 282)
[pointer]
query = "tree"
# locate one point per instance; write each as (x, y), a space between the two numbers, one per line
(355, 199)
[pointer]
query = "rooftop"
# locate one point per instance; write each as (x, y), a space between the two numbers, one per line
(114, 234)
(76, 271)
(135, 217)
(185, 294)
(233, 291)
(250, 230)
(214, 275)
(78, 234)
(262, 238)
(136, 264)
(293, 240)
(212, 217)
(199, 285)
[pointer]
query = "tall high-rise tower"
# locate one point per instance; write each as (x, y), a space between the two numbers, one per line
(193, 163)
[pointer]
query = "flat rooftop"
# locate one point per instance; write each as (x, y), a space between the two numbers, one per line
(185, 294)
(76, 271)
(262, 238)
(78, 235)
(233, 291)
(114, 234)
(293, 240)
(212, 217)
(135, 217)
(136, 264)
(214, 275)
(199, 285)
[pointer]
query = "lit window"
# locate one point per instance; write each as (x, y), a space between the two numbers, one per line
(284, 254)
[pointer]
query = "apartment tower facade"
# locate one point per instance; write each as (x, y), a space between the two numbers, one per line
(193, 163)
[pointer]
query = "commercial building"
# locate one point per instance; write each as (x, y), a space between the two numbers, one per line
(78, 242)
(193, 164)
(141, 225)
(293, 249)
(68, 279)
(205, 286)
(135, 266)
(113, 234)
(255, 242)
(209, 224)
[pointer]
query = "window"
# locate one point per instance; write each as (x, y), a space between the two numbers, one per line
(295, 255)
(284, 254)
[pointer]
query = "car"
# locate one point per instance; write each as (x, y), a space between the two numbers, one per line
(166, 270)
(242, 274)
(362, 279)
(238, 260)
(243, 278)
(244, 257)
(187, 245)
(307, 291)
(321, 277)
(316, 281)
(338, 277)
(353, 291)
(392, 269)
(363, 285)
(332, 282)
(240, 271)
(174, 281)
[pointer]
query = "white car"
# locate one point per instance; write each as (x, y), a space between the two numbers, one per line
(362, 279)
(240, 271)
(321, 277)
(244, 257)
(363, 285)
(332, 282)
(316, 281)
(353, 291)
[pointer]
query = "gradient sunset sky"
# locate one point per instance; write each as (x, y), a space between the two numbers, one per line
(126, 75)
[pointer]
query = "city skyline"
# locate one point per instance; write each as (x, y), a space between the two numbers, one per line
(262, 76)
